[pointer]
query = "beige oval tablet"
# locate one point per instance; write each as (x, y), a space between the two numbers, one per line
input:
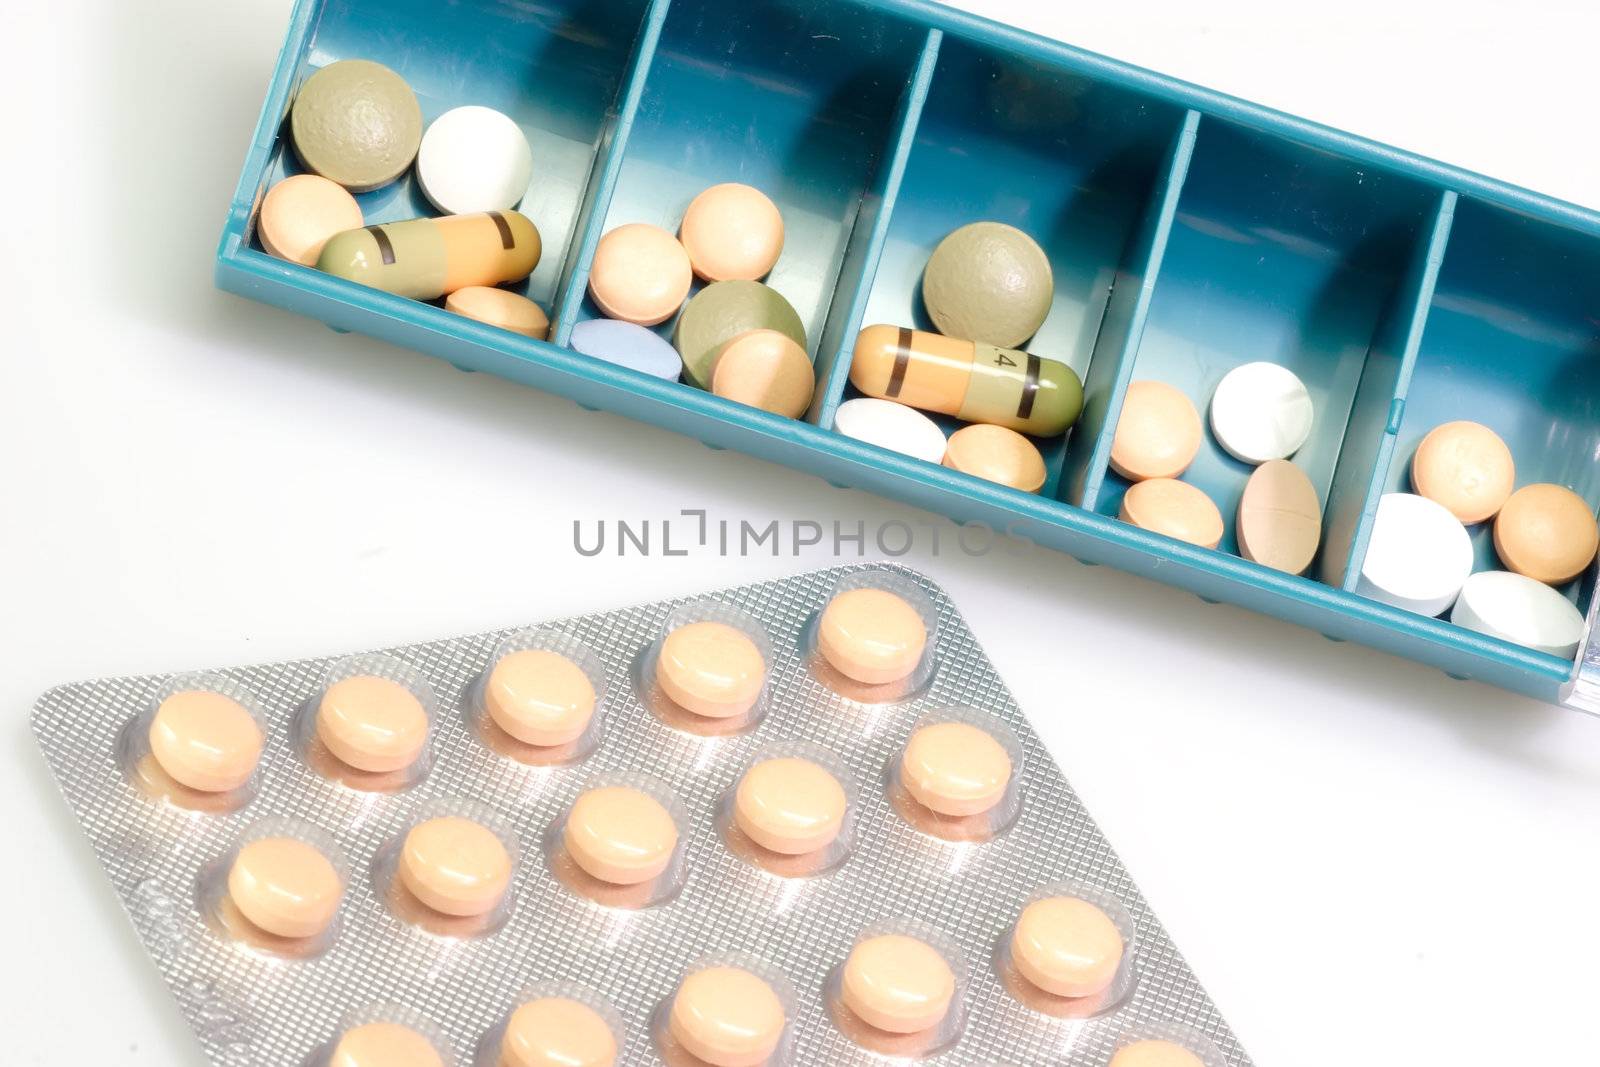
(898, 983)
(299, 214)
(1067, 946)
(1466, 467)
(284, 886)
(955, 768)
(711, 669)
(384, 1045)
(455, 866)
(871, 636)
(620, 835)
(1280, 518)
(997, 454)
(765, 369)
(1155, 1053)
(727, 1017)
(732, 232)
(371, 723)
(205, 741)
(1177, 509)
(557, 1032)
(502, 308)
(640, 274)
(790, 806)
(1158, 433)
(1546, 532)
(540, 697)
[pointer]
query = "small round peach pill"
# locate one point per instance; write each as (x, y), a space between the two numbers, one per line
(954, 768)
(299, 214)
(711, 669)
(732, 232)
(996, 454)
(1466, 467)
(767, 370)
(640, 274)
(1546, 532)
(1067, 947)
(790, 806)
(899, 984)
(620, 835)
(1158, 433)
(286, 887)
(455, 866)
(1154, 1053)
(1177, 509)
(727, 1017)
(205, 741)
(500, 307)
(372, 723)
(540, 697)
(384, 1045)
(871, 636)
(557, 1032)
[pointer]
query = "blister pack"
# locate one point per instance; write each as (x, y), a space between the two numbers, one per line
(794, 823)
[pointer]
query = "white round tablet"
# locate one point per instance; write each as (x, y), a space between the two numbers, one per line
(474, 159)
(1261, 412)
(1521, 610)
(1419, 556)
(893, 426)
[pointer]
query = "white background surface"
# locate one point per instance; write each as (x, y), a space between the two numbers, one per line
(1366, 863)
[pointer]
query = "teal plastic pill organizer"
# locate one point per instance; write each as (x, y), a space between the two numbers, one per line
(1189, 232)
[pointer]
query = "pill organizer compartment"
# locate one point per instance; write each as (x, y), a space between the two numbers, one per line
(1069, 160)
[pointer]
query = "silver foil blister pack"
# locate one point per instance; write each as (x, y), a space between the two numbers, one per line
(252, 1007)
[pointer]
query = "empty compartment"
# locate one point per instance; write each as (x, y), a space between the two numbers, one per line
(801, 100)
(555, 67)
(1284, 254)
(1070, 161)
(1513, 342)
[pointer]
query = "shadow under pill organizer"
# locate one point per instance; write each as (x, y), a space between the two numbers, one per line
(1188, 232)
(845, 827)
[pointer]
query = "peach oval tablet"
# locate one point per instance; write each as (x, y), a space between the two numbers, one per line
(372, 723)
(1158, 433)
(500, 307)
(206, 741)
(711, 669)
(640, 274)
(996, 454)
(955, 768)
(872, 636)
(384, 1045)
(286, 887)
(620, 835)
(1067, 946)
(767, 370)
(1177, 509)
(898, 983)
(1280, 518)
(1466, 467)
(732, 232)
(1546, 532)
(455, 866)
(299, 214)
(727, 1017)
(789, 805)
(1155, 1053)
(557, 1032)
(540, 697)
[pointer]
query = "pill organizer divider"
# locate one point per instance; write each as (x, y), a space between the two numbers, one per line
(1189, 232)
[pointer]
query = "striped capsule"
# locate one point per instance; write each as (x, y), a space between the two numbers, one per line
(425, 259)
(973, 382)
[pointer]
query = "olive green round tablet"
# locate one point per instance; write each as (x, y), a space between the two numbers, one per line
(722, 311)
(357, 123)
(990, 283)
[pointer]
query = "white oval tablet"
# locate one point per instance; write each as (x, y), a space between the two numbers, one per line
(1419, 556)
(893, 426)
(1261, 412)
(474, 159)
(1519, 609)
